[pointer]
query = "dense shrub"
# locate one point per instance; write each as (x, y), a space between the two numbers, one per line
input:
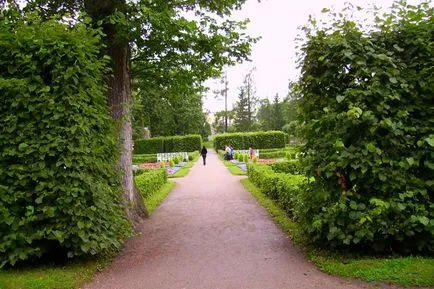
(368, 109)
(150, 181)
(257, 140)
(58, 188)
(187, 143)
(145, 158)
(283, 187)
(290, 167)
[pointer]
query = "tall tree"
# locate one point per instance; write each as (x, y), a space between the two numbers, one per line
(265, 115)
(245, 107)
(164, 44)
(278, 120)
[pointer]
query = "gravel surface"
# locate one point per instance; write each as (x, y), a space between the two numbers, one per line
(211, 234)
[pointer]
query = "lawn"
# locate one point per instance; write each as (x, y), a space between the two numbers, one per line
(404, 271)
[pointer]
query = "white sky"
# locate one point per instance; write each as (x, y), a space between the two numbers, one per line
(274, 56)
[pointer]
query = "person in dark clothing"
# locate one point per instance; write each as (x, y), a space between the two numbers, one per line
(203, 152)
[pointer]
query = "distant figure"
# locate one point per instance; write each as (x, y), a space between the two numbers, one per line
(231, 152)
(203, 152)
(227, 153)
(251, 153)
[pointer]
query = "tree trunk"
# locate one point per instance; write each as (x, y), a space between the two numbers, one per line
(120, 104)
(119, 100)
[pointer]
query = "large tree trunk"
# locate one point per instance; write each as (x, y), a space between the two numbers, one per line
(120, 103)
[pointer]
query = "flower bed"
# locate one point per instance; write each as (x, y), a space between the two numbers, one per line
(170, 170)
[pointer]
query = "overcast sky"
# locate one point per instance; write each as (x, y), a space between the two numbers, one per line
(274, 56)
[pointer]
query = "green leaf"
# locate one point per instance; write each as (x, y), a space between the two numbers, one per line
(340, 98)
(430, 141)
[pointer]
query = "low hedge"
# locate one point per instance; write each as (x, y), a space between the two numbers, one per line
(283, 187)
(187, 143)
(257, 140)
(144, 158)
(290, 167)
(149, 181)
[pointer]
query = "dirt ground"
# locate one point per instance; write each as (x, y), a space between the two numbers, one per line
(211, 234)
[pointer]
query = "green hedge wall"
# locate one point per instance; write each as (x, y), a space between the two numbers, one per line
(256, 140)
(187, 143)
(59, 191)
(150, 181)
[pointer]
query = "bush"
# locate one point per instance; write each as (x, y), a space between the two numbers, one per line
(282, 187)
(187, 143)
(369, 133)
(59, 191)
(290, 167)
(150, 181)
(257, 140)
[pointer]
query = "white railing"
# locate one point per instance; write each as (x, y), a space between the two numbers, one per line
(165, 157)
(246, 152)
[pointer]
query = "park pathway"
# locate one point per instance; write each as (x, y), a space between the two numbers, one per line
(211, 234)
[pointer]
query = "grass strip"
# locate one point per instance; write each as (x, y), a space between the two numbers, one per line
(233, 168)
(403, 271)
(71, 275)
(153, 201)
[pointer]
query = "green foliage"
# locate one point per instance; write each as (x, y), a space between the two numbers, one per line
(154, 200)
(144, 158)
(59, 190)
(256, 140)
(245, 158)
(171, 163)
(245, 107)
(149, 145)
(285, 188)
(150, 181)
(292, 167)
(367, 106)
(187, 143)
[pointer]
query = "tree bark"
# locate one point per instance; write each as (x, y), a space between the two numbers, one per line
(119, 100)
(120, 104)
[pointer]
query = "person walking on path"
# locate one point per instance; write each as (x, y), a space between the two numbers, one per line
(203, 152)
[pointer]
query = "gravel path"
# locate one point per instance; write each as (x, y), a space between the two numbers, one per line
(211, 234)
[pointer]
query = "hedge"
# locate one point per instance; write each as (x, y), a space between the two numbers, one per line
(187, 143)
(283, 187)
(256, 140)
(145, 158)
(368, 132)
(59, 192)
(150, 181)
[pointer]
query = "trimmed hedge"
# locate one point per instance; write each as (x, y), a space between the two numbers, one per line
(150, 181)
(59, 191)
(282, 187)
(187, 143)
(145, 158)
(256, 140)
